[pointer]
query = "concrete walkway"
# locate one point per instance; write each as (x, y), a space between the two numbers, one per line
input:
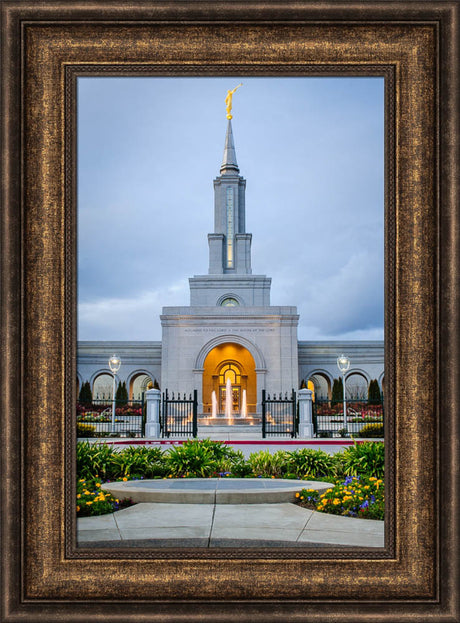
(150, 524)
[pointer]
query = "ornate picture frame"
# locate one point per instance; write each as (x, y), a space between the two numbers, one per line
(46, 46)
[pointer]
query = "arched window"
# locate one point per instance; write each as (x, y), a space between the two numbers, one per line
(230, 371)
(229, 302)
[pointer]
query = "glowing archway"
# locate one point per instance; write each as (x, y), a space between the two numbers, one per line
(229, 361)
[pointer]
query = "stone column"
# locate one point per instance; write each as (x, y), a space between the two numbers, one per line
(305, 413)
(152, 424)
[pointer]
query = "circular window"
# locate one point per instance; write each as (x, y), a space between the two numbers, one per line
(229, 302)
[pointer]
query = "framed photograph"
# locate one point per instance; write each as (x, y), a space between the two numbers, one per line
(47, 48)
(301, 159)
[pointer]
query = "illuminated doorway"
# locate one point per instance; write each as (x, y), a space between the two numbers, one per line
(230, 371)
(234, 362)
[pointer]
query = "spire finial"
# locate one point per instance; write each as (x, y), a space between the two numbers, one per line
(228, 101)
(229, 164)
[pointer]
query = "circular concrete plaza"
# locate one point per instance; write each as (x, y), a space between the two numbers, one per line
(213, 490)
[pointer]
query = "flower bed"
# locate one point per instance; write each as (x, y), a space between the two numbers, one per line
(356, 496)
(98, 463)
(92, 500)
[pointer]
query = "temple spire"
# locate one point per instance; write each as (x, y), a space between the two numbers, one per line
(229, 163)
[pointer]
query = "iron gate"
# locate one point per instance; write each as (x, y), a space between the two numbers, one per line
(279, 415)
(179, 415)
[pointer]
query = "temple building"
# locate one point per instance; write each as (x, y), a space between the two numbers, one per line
(230, 330)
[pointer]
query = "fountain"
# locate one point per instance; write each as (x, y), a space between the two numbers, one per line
(215, 425)
(244, 406)
(228, 400)
(213, 405)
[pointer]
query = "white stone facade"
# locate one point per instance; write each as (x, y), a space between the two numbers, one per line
(268, 333)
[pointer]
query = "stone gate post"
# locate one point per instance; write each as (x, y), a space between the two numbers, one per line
(305, 413)
(152, 423)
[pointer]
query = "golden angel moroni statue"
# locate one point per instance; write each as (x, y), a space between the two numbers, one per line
(228, 101)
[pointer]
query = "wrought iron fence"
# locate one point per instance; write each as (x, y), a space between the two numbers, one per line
(279, 415)
(179, 415)
(362, 418)
(95, 419)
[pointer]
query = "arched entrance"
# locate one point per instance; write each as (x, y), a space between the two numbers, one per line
(230, 361)
(320, 384)
(138, 384)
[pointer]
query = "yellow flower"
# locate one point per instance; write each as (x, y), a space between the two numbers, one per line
(78, 508)
(81, 480)
(336, 501)
(98, 484)
(86, 492)
(366, 486)
(372, 478)
(78, 495)
(301, 497)
(125, 479)
(88, 503)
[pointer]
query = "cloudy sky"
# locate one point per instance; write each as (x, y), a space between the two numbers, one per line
(311, 150)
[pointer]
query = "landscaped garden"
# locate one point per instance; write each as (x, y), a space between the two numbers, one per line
(357, 472)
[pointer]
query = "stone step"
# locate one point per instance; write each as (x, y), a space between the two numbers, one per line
(226, 433)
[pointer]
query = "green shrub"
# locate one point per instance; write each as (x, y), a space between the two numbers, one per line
(121, 395)
(192, 458)
(233, 464)
(85, 430)
(370, 430)
(85, 396)
(366, 458)
(338, 465)
(265, 464)
(137, 462)
(310, 462)
(337, 391)
(220, 451)
(374, 396)
(95, 460)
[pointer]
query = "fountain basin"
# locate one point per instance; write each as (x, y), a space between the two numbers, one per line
(213, 490)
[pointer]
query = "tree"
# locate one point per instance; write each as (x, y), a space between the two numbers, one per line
(85, 396)
(374, 396)
(121, 395)
(337, 390)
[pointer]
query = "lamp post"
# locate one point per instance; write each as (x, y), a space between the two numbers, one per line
(343, 363)
(114, 365)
